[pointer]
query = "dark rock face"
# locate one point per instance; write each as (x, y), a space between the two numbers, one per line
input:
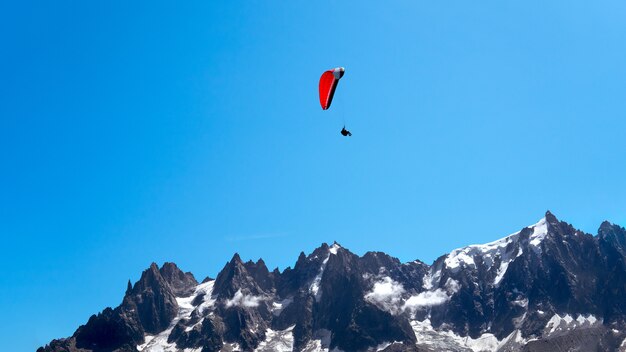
(546, 287)
(611, 284)
(111, 329)
(148, 307)
(152, 300)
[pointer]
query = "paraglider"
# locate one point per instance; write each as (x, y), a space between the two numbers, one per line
(328, 84)
(327, 87)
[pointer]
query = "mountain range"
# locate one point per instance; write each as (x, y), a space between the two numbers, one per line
(547, 287)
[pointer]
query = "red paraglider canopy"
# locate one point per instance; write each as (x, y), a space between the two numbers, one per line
(328, 84)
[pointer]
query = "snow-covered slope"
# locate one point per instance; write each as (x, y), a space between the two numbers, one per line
(495, 256)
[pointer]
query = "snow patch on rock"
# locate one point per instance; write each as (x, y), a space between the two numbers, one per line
(333, 249)
(444, 340)
(452, 286)
(540, 230)
(567, 322)
(158, 343)
(277, 341)
(320, 342)
(205, 289)
(315, 285)
(432, 277)
(231, 347)
(459, 258)
(278, 307)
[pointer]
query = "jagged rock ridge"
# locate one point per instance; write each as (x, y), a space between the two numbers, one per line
(546, 287)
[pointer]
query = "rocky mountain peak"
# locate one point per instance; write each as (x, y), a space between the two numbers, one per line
(550, 218)
(613, 232)
(182, 284)
(237, 276)
(612, 237)
(236, 259)
(152, 301)
(605, 226)
(150, 278)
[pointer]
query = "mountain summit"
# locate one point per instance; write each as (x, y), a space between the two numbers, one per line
(547, 287)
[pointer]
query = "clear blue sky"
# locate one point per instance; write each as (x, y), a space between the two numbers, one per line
(133, 132)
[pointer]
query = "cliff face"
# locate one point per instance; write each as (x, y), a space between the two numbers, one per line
(546, 287)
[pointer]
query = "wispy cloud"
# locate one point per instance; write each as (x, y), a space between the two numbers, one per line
(243, 300)
(387, 294)
(252, 237)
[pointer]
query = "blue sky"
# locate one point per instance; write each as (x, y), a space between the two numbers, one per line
(133, 132)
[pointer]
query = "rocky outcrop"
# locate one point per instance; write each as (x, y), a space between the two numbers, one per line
(148, 307)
